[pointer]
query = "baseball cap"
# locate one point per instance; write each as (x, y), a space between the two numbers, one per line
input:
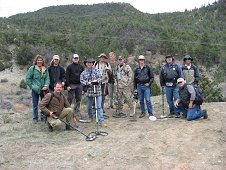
(75, 56)
(141, 57)
(180, 80)
(56, 57)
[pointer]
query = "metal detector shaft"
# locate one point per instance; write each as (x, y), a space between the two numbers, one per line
(90, 137)
(163, 110)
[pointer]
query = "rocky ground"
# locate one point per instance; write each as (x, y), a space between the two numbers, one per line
(163, 144)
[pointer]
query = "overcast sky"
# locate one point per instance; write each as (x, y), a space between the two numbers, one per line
(12, 7)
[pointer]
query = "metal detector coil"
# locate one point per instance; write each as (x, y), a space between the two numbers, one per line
(89, 137)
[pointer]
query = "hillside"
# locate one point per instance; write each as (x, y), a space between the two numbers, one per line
(92, 29)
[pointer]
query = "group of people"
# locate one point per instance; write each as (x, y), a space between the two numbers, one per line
(112, 78)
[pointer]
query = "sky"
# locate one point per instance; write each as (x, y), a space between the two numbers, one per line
(12, 7)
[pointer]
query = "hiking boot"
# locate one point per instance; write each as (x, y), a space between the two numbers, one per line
(177, 115)
(50, 127)
(142, 115)
(68, 127)
(133, 118)
(35, 121)
(205, 114)
(102, 124)
(90, 120)
(171, 115)
(119, 115)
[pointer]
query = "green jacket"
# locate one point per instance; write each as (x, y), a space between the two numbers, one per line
(37, 79)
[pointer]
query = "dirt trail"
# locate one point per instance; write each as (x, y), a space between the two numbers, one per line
(163, 144)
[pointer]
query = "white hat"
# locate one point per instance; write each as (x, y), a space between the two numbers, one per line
(102, 55)
(75, 56)
(141, 57)
(180, 80)
(56, 57)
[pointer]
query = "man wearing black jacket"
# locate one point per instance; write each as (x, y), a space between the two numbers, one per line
(56, 72)
(74, 87)
(143, 78)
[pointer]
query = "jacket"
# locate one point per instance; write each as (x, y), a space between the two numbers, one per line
(86, 77)
(36, 78)
(73, 72)
(56, 74)
(142, 76)
(186, 94)
(103, 71)
(124, 75)
(191, 75)
(57, 104)
(169, 74)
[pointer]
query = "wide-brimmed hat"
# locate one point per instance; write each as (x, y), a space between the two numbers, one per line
(169, 56)
(103, 55)
(141, 57)
(187, 57)
(90, 60)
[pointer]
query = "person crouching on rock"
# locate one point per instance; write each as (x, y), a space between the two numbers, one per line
(55, 105)
(186, 103)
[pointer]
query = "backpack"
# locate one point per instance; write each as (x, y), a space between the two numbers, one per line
(199, 98)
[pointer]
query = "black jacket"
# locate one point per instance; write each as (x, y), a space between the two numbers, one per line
(73, 73)
(144, 75)
(56, 74)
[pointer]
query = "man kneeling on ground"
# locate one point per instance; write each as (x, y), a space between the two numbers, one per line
(55, 105)
(186, 103)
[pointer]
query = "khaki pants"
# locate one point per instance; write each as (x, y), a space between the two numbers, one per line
(124, 94)
(67, 112)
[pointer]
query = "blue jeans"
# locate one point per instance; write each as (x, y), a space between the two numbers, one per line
(191, 114)
(89, 101)
(145, 92)
(172, 94)
(35, 99)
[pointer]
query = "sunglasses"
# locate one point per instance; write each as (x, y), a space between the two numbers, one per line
(120, 59)
(187, 59)
(179, 82)
(75, 58)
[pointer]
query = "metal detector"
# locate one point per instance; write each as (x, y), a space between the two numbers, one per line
(97, 132)
(90, 137)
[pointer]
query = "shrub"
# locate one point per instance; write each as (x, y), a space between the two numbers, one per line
(155, 89)
(2, 66)
(23, 84)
